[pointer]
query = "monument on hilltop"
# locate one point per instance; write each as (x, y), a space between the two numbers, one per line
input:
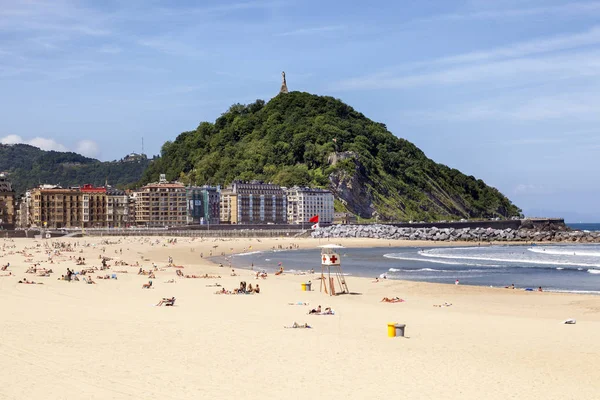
(284, 88)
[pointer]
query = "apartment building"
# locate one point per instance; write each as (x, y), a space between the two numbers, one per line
(117, 208)
(7, 204)
(93, 206)
(55, 207)
(161, 204)
(253, 203)
(23, 219)
(303, 203)
(203, 205)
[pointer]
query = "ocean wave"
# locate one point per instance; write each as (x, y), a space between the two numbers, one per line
(552, 263)
(397, 256)
(563, 252)
(572, 291)
(594, 271)
(453, 271)
(247, 253)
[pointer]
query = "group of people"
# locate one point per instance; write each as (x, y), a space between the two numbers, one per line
(319, 311)
(243, 289)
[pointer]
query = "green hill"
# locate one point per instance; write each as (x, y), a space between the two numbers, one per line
(303, 139)
(28, 166)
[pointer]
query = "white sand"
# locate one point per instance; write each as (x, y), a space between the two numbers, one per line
(71, 340)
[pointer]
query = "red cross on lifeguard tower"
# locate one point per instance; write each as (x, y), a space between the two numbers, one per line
(330, 258)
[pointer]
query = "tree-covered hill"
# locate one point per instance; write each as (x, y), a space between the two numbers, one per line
(303, 139)
(28, 166)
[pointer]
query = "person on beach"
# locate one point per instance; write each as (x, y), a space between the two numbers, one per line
(392, 300)
(540, 289)
(315, 310)
(147, 285)
(166, 301)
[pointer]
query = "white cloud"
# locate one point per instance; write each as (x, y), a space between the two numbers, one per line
(87, 148)
(522, 60)
(551, 67)
(42, 143)
(11, 139)
(46, 144)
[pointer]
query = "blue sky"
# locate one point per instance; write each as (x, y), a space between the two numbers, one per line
(505, 90)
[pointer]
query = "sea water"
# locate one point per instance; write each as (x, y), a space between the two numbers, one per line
(569, 268)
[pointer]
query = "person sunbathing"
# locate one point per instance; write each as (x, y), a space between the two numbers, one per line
(25, 281)
(166, 301)
(257, 289)
(328, 311)
(299, 303)
(299, 326)
(170, 281)
(179, 272)
(443, 305)
(315, 310)
(392, 300)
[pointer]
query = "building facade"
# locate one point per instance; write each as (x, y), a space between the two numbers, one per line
(161, 204)
(344, 218)
(117, 208)
(203, 205)
(55, 207)
(93, 206)
(253, 203)
(7, 204)
(23, 212)
(228, 207)
(304, 203)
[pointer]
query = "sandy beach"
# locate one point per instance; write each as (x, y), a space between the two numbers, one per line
(109, 340)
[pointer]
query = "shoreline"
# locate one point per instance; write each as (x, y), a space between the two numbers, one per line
(380, 243)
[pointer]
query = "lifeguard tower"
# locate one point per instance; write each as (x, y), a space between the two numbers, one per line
(330, 259)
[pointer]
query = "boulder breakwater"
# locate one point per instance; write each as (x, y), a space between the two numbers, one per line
(525, 233)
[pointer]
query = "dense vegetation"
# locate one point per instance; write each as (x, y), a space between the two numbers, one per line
(289, 141)
(29, 166)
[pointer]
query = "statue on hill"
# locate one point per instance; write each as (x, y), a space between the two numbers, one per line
(284, 88)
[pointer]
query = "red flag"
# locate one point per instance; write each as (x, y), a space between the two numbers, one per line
(314, 219)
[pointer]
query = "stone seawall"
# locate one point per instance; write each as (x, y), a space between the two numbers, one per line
(544, 233)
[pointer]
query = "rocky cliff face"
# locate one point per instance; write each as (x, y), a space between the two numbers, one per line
(351, 185)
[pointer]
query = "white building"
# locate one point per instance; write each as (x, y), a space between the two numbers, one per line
(117, 208)
(304, 203)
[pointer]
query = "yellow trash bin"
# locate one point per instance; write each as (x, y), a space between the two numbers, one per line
(303, 287)
(391, 329)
